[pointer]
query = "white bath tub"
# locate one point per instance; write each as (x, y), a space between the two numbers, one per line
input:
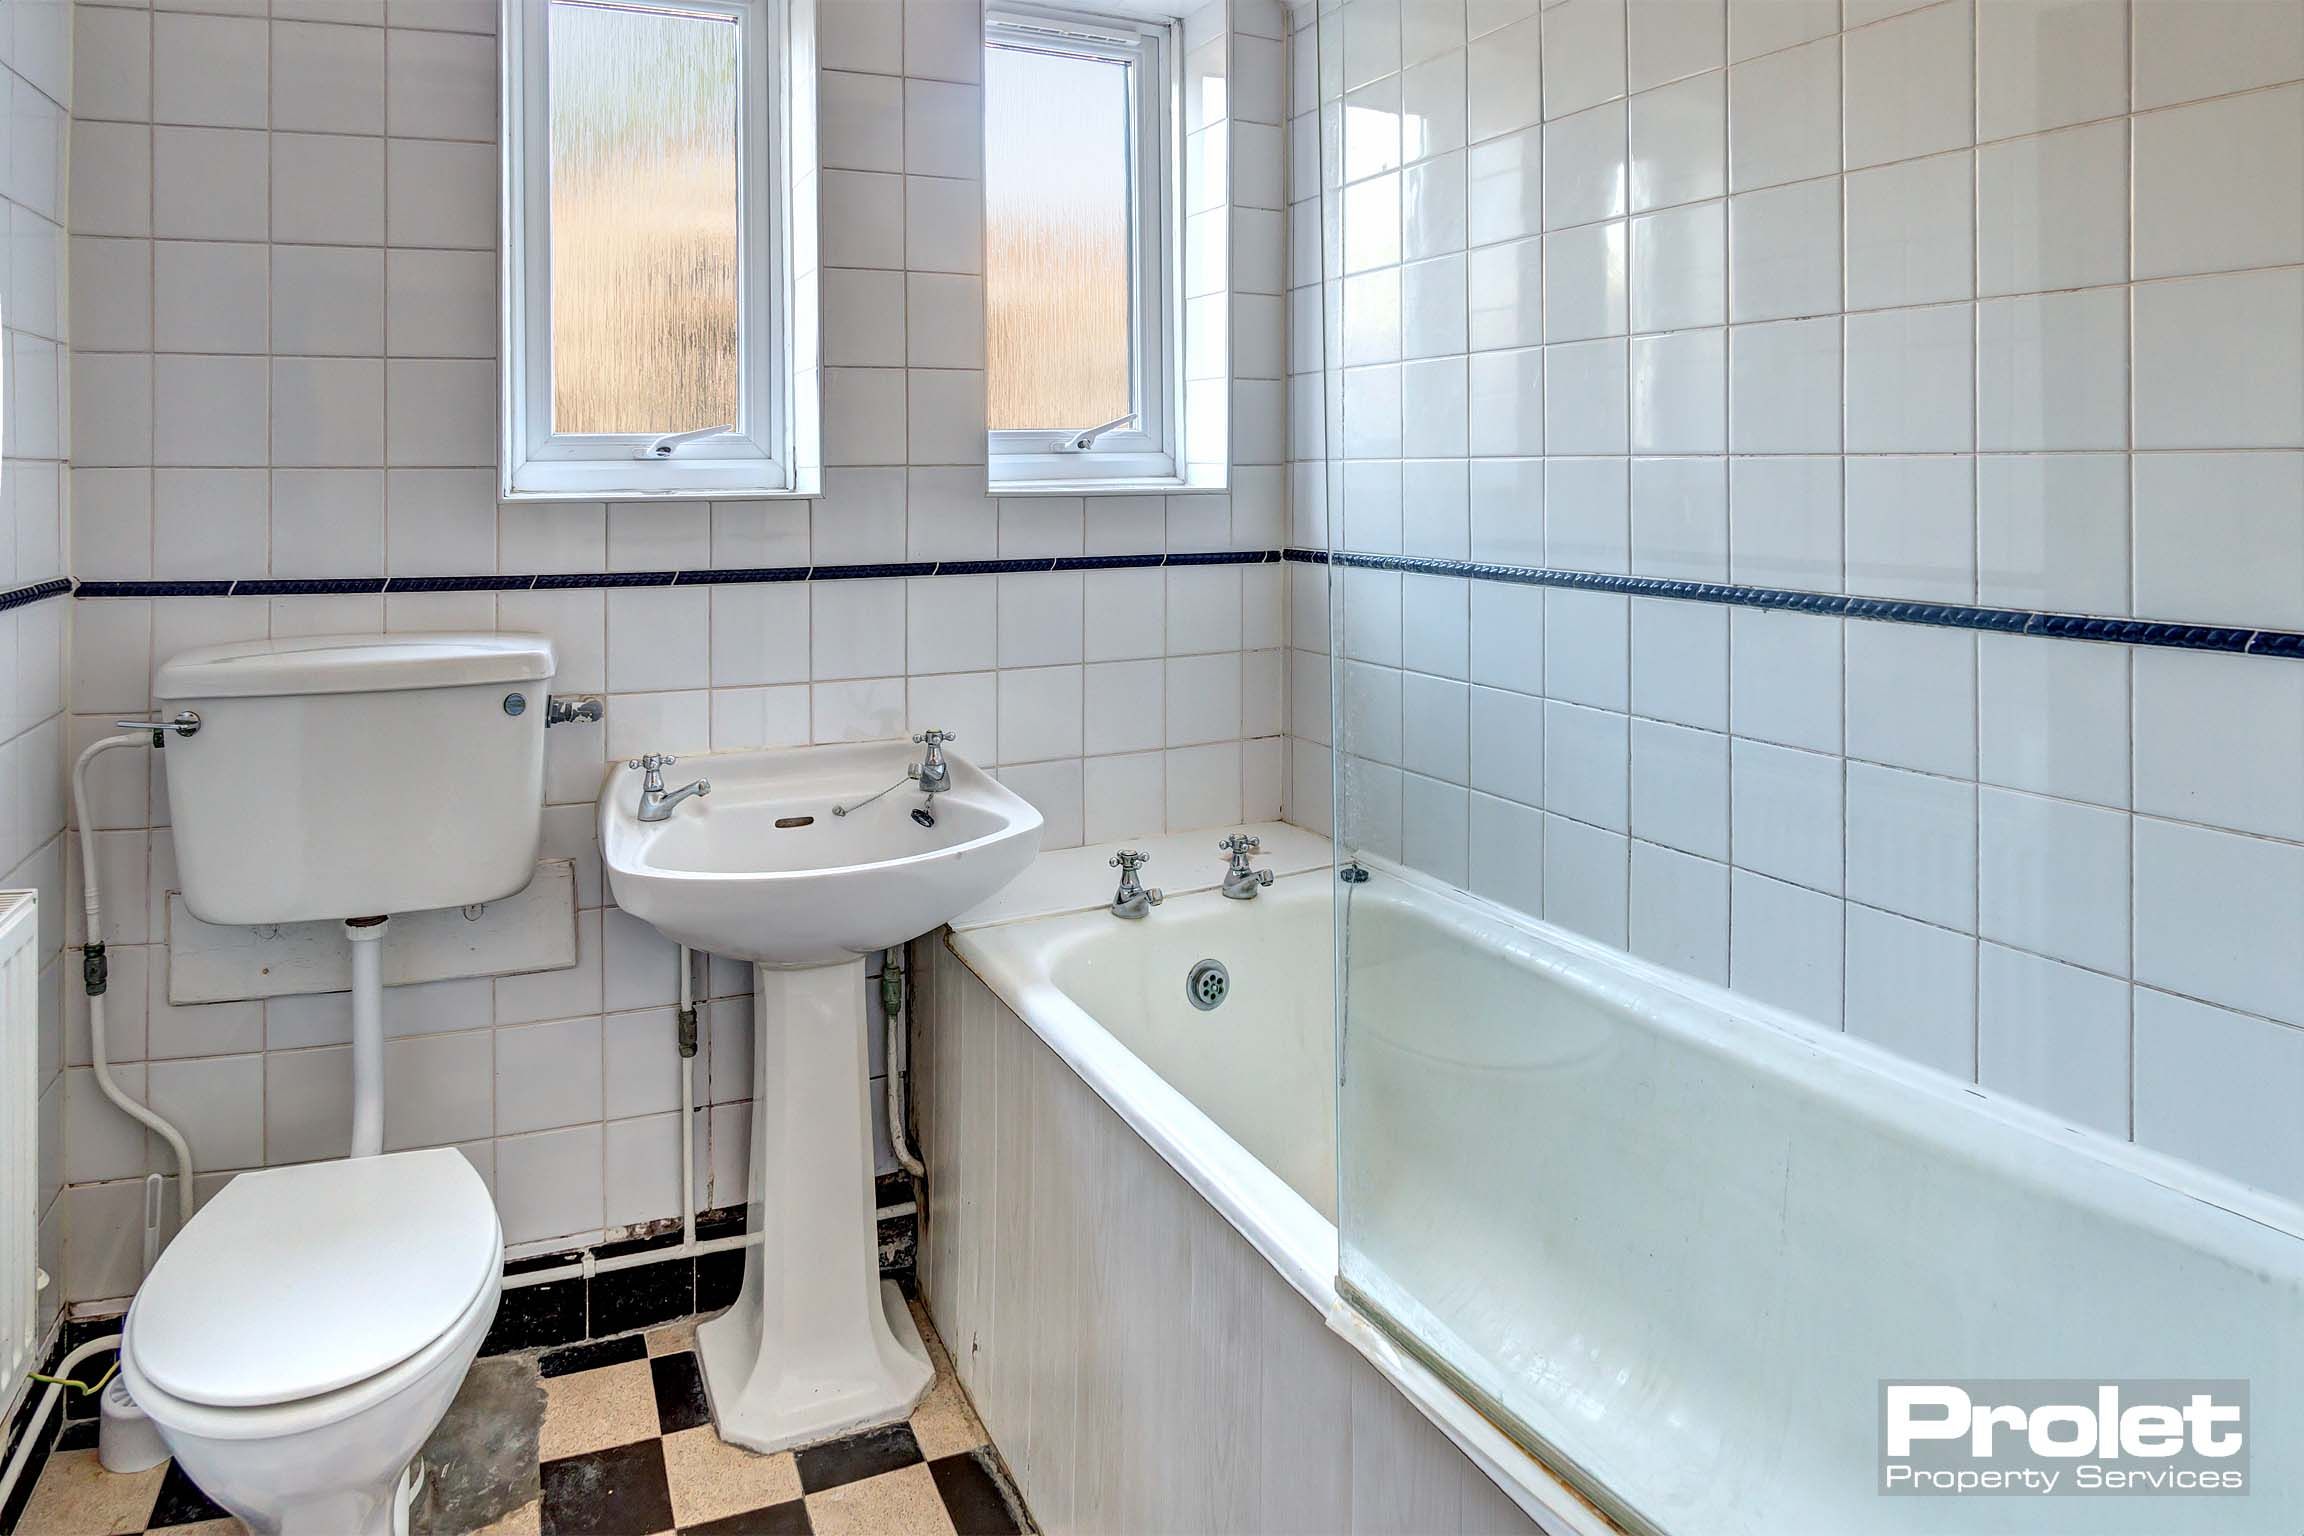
(1675, 1241)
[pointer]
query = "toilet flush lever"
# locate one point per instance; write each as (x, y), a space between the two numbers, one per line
(186, 723)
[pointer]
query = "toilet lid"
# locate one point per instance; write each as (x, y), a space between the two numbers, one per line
(292, 1282)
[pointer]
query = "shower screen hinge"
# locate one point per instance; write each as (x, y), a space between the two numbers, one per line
(687, 1017)
(95, 969)
(1354, 873)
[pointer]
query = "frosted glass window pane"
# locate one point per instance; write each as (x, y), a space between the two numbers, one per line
(1056, 227)
(644, 220)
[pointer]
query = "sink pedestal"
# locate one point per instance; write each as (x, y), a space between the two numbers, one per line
(816, 1344)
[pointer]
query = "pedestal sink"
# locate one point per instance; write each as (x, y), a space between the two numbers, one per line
(766, 869)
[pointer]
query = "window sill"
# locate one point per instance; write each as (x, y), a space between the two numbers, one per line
(629, 493)
(1104, 485)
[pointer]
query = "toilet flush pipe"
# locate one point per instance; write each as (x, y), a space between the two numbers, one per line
(367, 936)
(95, 971)
(39, 1419)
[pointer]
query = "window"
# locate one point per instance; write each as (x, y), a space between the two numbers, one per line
(648, 315)
(1079, 237)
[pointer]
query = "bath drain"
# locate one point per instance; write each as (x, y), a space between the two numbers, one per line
(1206, 984)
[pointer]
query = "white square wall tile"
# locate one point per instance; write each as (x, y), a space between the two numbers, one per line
(1912, 528)
(2053, 1036)
(1679, 912)
(548, 1075)
(1912, 988)
(2053, 210)
(1908, 89)
(2186, 50)
(1587, 880)
(1785, 677)
(2209, 369)
(1508, 854)
(1911, 380)
(1680, 788)
(1910, 231)
(1785, 946)
(2052, 532)
(2210, 1087)
(2215, 736)
(2052, 372)
(2053, 878)
(1679, 139)
(1680, 662)
(550, 1185)
(1784, 387)
(1784, 251)
(2053, 717)
(2193, 936)
(1784, 114)
(1041, 618)
(2220, 537)
(1912, 844)
(2202, 208)
(1040, 713)
(1786, 818)
(1912, 697)
(2045, 63)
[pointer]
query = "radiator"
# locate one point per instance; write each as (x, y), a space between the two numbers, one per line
(19, 1137)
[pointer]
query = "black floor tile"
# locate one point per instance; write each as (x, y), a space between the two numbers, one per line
(972, 1496)
(644, 1296)
(181, 1502)
(621, 1491)
(537, 1317)
(859, 1456)
(592, 1356)
(679, 1392)
(790, 1519)
(78, 1436)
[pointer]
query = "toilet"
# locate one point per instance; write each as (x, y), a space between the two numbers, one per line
(301, 1338)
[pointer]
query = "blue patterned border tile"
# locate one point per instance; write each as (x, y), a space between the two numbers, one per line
(1107, 562)
(21, 596)
(308, 586)
(1222, 557)
(2011, 621)
(563, 581)
(881, 572)
(994, 567)
(400, 584)
(153, 589)
(747, 574)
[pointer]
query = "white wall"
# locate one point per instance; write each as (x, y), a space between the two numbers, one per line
(283, 263)
(1986, 302)
(35, 79)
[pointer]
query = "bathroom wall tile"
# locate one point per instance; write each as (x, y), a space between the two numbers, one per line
(2212, 734)
(1912, 844)
(2207, 374)
(1679, 912)
(1785, 946)
(2192, 938)
(2052, 532)
(1784, 677)
(1680, 662)
(1585, 167)
(1786, 814)
(1783, 112)
(2054, 717)
(1678, 139)
(550, 1185)
(1784, 387)
(1912, 988)
(1678, 268)
(1912, 697)
(2054, 878)
(1910, 232)
(1908, 90)
(2052, 211)
(1587, 880)
(2046, 63)
(2207, 1083)
(2054, 1036)
(1784, 523)
(2052, 372)
(2183, 52)
(1784, 251)
(1911, 528)
(1680, 792)
(2220, 534)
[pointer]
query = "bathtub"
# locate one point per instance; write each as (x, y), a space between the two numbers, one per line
(1661, 1244)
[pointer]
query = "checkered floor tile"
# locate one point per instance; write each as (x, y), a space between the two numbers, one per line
(626, 1448)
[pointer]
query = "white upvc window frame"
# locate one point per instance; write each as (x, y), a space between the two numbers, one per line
(1149, 452)
(762, 454)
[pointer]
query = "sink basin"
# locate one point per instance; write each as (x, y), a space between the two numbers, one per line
(762, 870)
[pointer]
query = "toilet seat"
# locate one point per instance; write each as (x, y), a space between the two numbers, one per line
(295, 1284)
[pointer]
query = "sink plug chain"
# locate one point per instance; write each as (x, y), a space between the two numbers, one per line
(842, 810)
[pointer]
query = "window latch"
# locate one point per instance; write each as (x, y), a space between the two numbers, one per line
(1083, 441)
(664, 447)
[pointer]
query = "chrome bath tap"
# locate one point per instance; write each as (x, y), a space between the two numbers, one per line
(1241, 883)
(656, 801)
(1132, 899)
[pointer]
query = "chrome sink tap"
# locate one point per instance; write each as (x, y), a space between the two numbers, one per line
(1241, 883)
(1132, 899)
(933, 774)
(656, 801)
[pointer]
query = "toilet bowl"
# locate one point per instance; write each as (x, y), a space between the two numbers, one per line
(304, 1335)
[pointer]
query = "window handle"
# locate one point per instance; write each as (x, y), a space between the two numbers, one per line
(1082, 442)
(664, 447)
